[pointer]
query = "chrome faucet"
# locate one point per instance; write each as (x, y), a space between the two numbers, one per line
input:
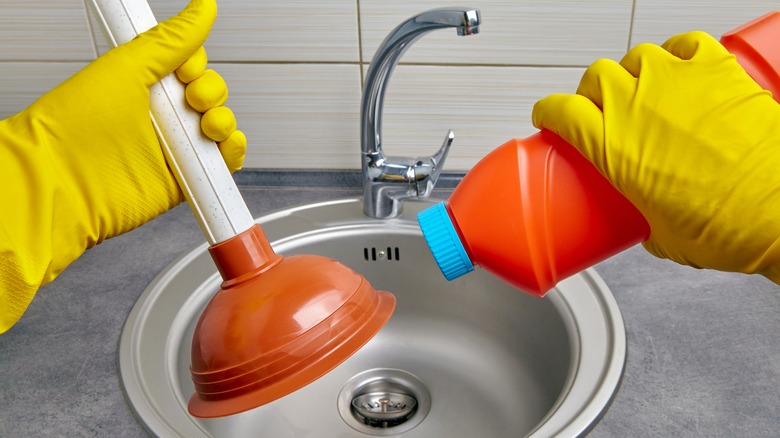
(389, 180)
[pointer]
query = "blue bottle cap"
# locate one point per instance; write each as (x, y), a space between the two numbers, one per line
(444, 242)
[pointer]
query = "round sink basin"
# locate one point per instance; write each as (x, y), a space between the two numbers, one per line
(472, 357)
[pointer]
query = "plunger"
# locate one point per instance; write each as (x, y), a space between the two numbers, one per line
(277, 323)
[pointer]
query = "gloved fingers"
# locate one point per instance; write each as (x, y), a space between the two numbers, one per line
(193, 67)
(163, 48)
(218, 123)
(645, 54)
(233, 150)
(577, 120)
(696, 44)
(606, 76)
(208, 91)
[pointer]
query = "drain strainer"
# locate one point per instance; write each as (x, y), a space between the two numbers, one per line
(384, 409)
(384, 401)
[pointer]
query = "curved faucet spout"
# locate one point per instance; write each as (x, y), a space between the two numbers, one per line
(388, 181)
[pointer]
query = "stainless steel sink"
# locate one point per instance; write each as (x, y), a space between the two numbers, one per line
(469, 358)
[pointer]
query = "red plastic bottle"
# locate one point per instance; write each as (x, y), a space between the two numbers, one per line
(534, 211)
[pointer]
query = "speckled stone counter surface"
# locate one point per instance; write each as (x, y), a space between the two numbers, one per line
(703, 346)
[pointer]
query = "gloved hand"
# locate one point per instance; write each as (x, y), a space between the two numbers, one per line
(83, 162)
(692, 141)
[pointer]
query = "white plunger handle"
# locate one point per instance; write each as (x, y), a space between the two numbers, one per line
(194, 158)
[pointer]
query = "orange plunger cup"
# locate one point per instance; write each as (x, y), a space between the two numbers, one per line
(278, 323)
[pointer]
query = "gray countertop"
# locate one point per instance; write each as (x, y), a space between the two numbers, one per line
(703, 350)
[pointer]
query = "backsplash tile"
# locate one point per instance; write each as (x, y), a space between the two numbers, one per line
(531, 32)
(44, 30)
(297, 115)
(294, 66)
(275, 31)
(484, 106)
(289, 30)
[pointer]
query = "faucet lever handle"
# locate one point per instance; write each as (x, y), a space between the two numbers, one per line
(441, 155)
(428, 169)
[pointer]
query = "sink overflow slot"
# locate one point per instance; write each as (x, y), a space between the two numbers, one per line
(373, 254)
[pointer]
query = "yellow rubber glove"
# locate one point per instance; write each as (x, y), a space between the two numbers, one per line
(83, 162)
(692, 141)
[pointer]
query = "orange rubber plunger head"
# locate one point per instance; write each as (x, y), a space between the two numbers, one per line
(277, 324)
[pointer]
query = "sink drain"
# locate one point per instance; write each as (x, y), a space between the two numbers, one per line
(384, 409)
(384, 401)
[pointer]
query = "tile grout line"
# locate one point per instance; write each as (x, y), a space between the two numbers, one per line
(91, 30)
(360, 44)
(631, 25)
(409, 63)
(217, 61)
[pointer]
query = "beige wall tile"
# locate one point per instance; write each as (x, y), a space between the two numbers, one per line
(657, 20)
(294, 74)
(44, 30)
(307, 115)
(279, 30)
(24, 82)
(531, 32)
(485, 106)
(297, 115)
